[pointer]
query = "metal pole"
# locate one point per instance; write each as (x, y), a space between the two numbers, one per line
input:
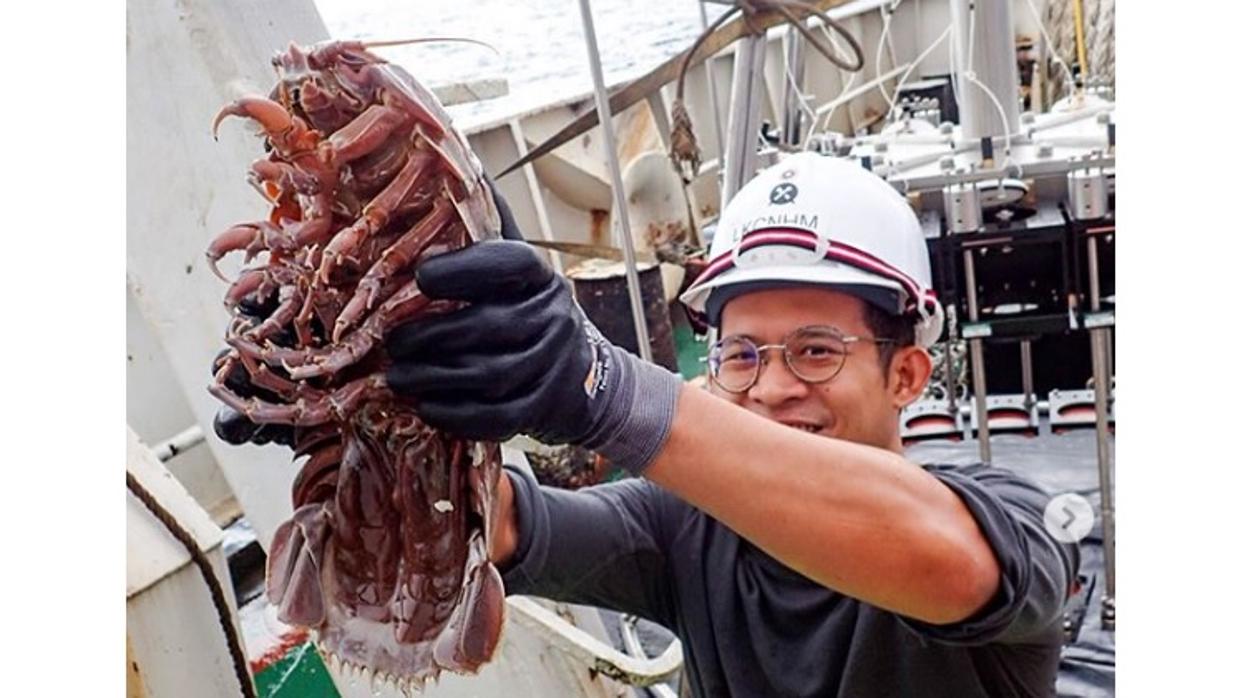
(632, 645)
(862, 89)
(535, 191)
(986, 48)
(709, 65)
(1106, 479)
(178, 443)
(951, 381)
(977, 360)
(1040, 102)
(744, 116)
(1029, 385)
(795, 76)
(658, 110)
(617, 183)
(1100, 382)
(1109, 354)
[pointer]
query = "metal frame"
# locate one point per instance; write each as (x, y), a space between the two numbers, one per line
(954, 429)
(535, 191)
(632, 644)
(1013, 402)
(1029, 384)
(587, 650)
(709, 66)
(791, 127)
(745, 115)
(979, 381)
(617, 183)
(1100, 379)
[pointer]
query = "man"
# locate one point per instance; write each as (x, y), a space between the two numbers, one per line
(776, 526)
(789, 544)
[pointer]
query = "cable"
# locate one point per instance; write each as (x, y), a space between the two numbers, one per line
(683, 148)
(801, 98)
(892, 50)
(1070, 76)
(827, 118)
(886, 14)
(970, 33)
(906, 75)
(892, 99)
(969, 74)
(797, 90)
(1005, 124)
(210, 578)
(953, 71)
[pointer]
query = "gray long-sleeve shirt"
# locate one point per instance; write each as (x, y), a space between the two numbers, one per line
(752, 627)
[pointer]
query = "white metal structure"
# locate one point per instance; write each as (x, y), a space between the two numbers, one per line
(173, 638)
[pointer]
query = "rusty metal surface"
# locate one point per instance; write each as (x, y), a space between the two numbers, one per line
(603, 294)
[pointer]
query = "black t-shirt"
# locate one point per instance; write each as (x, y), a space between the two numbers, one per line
(752, 627)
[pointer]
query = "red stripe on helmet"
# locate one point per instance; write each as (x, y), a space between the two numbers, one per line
(838, 251)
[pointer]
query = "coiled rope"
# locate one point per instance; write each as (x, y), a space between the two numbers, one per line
(1059, 22)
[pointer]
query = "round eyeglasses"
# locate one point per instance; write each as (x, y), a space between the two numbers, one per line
(814, 354)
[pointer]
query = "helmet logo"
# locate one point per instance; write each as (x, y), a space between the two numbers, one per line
(784, 193)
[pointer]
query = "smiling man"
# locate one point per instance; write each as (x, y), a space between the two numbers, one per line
(776, 526)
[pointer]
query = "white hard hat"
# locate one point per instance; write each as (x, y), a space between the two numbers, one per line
(814, 219)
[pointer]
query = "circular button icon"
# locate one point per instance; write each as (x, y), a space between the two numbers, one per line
(784, 193)
(1069, 517)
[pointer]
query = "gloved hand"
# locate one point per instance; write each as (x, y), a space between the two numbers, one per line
(523, 358)
(233, 427)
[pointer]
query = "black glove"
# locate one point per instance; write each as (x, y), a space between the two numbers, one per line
(233, 427)
(522, 358)
(510, 231)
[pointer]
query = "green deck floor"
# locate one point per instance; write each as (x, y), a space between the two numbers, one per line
(690, 349)
(299, 674)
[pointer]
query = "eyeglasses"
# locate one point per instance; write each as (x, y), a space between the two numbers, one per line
(815, 354)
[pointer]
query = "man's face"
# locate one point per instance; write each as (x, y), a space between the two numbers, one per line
(860, 404)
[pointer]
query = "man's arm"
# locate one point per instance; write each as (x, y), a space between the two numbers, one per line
(601, 545)
(861, 520)
(1037, 571)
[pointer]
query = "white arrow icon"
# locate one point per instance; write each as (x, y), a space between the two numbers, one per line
(1069, 517)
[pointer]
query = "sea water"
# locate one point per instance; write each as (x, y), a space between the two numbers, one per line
(541, 44)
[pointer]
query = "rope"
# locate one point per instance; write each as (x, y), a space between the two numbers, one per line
(684, 151)
(1059, 21)
(1050, 54)
(1101, 40)
(205, 569)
